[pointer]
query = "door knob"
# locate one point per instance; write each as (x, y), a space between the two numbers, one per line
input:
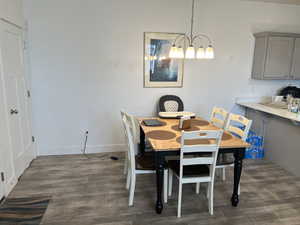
(13, 111)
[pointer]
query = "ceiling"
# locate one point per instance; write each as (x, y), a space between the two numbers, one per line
(293, 2)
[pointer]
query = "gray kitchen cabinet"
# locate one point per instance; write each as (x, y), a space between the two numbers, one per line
(296, 61)
(276, 56)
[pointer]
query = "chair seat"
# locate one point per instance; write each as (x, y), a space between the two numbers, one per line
(224, 159)
(145, 161)
(225, 163)
(189, 171)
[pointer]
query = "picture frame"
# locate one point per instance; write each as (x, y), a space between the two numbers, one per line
(160, 71)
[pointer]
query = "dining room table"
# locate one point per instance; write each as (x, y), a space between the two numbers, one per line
(165, 140)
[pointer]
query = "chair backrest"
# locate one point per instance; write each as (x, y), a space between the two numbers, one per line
(170, 103)
(238, 125)
(211, 142)
(128, 128)
(219, 117)
(135, 126)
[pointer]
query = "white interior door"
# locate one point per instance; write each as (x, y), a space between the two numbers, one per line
(2, 185)
(6, 156)
(1, 190)
(17, 101)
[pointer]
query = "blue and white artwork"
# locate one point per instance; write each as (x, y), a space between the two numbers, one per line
(162, 68)
(159, 69)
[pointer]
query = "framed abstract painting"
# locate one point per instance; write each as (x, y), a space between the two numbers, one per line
(160, 70)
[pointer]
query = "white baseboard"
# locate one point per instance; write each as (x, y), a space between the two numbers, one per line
(75, 149)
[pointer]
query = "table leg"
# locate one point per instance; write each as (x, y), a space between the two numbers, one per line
(142, 141)
(238, 165)
(159, 163)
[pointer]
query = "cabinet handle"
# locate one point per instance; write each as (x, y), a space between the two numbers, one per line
(14, 111)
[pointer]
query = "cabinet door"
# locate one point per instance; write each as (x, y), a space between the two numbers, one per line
(12, 11)
(279, 58)
(259, 57)
(296, 61)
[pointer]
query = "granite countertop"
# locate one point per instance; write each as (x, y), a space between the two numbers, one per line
(284, 113)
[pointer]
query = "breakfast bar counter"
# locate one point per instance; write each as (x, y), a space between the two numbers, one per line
(284, 113)
(281, 131)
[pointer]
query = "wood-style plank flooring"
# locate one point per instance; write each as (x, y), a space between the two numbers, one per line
(91, 191)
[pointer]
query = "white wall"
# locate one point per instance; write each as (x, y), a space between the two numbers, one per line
(87, 62)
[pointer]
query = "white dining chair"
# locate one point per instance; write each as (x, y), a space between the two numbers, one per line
(137, 164)
(219, 118)
(126, 154)
(135, 133)
(239, 126)
(194, 167)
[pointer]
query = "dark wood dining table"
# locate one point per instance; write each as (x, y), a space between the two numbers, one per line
(165, 141)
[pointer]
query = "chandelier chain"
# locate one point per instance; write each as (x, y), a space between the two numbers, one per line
(192, 21)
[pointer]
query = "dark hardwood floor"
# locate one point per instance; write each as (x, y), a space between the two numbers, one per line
(91, 191)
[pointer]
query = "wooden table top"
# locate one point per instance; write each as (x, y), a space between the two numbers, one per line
(167, 137)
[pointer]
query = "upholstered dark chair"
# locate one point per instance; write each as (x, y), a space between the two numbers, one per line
(170, 103)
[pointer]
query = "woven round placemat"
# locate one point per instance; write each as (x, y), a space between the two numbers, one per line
(193, 128)
(194, 142)
(196, 122)
(160, 135)
(226, 137)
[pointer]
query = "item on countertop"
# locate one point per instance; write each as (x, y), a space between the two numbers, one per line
(293, 104)
(176, 115)
(290, 90)
(153, 123)
(277, 98)
(294, 108)
(289, 99)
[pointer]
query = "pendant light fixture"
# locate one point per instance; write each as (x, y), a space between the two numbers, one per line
(191, 52)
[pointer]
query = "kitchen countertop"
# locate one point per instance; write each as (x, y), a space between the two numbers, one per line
(271, 110)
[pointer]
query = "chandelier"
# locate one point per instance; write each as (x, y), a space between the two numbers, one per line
(178, 50)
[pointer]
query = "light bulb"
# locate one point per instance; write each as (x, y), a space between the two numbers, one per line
(209, 54)
(173, 52)
(180, 53)
(201, 53)
(190, 52)
(162, 58)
